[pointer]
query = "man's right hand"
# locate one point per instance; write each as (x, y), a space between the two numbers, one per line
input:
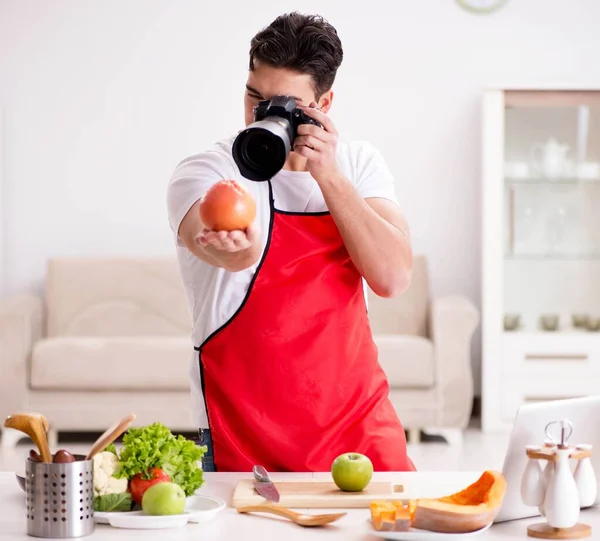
(229, 241)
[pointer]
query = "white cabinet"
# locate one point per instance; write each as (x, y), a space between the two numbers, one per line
(541, 248)
(3, 208)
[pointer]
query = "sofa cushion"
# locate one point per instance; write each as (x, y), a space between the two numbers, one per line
(406, 360)
(406, 313)
(116, 364)
(120, 296)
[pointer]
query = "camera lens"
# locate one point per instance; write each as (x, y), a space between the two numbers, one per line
(261, 149)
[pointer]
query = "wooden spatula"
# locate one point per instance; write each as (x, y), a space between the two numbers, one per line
(35, 425)
(299, 518)
(110, 435)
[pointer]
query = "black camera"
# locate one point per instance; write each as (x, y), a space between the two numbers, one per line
(260, 151)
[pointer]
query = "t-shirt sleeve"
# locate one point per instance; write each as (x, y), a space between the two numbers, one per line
(191, 180)
(375, 178)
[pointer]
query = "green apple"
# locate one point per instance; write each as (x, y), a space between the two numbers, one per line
(352, 472)
(164, 499)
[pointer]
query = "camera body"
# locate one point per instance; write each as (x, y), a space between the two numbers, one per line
(260, 151)
(283, 107)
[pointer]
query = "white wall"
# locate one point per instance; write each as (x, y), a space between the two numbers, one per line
(103, 98)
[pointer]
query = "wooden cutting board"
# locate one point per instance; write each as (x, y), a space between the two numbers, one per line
(315, 494)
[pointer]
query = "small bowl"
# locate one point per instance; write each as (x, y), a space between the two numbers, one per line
(512, 322)
(580, 321)
(549, 322)
(593, 325)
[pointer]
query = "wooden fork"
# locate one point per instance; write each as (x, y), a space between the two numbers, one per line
(299, 518)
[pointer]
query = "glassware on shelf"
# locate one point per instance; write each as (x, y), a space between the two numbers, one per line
(580, 321)
(512, 322)
(549, 159)
(549, 322)
(593, 325)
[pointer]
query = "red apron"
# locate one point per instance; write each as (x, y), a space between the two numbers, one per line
(292, 380)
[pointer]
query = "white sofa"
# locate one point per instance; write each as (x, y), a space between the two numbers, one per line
(111, 336)
(425, 349)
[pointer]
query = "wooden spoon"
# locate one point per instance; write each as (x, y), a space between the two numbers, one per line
(110, 435)
(35, 425)
(298, 518)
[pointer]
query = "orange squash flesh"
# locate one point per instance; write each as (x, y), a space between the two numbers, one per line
(466, 511)
(390, 516)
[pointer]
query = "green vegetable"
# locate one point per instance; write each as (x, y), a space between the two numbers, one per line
(177, 466)
(113, 502)
(154, 446)
(111, 449)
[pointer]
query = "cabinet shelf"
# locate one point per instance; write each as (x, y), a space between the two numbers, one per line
(541, 248)
(549, 183)
(592, 256)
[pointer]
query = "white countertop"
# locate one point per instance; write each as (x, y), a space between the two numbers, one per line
(230, 525)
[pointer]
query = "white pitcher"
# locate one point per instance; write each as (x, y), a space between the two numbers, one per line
(585, 479)
(561, 504)
(550, 158)
(548, 472)
(533, 486)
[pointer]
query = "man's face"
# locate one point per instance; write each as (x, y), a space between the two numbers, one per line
(265, 82)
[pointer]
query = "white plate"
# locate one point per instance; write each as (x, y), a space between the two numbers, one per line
(424, 535)
(203, 508)
(197, 509)
(138, 520)
(101, 517)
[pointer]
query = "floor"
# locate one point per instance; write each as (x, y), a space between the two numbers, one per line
(479, 451)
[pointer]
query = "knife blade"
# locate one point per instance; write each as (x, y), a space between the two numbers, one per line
(263, 484)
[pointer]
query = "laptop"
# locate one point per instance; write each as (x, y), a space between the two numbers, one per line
(529, 429)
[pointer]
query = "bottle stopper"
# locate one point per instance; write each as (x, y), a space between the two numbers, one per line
(566, 430)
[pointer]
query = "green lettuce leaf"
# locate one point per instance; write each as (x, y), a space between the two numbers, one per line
(113, 502)
(111, 449)
(154, 446)
(181, 464)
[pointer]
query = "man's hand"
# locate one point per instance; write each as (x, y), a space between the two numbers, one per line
(374, 231)
(318, 145)
(231, 250)
(229, 241)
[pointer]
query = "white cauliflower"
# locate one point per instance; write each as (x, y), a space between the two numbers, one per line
(105, 465)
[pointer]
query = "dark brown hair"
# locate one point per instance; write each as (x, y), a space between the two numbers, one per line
(303, 43)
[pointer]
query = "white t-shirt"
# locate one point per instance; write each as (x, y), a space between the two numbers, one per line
(215, 294)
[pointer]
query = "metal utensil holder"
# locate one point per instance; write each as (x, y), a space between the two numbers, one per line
(60, 498)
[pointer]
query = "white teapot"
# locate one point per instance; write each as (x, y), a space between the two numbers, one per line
(550, 158)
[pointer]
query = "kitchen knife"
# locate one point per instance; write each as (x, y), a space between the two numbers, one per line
(263, 484)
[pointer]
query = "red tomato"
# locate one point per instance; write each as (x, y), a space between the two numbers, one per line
(227, 206)
(137, 485)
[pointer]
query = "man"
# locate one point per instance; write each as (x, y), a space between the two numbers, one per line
(286, 372)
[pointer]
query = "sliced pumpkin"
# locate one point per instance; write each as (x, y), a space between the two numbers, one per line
(390, 516)
(383, 515)
(403, 518)
(466, 511)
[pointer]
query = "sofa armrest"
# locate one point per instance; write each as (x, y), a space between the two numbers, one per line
(21, 320)
(406, 360)
(452, 322)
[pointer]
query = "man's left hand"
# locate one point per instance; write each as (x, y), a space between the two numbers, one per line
(318, 145)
